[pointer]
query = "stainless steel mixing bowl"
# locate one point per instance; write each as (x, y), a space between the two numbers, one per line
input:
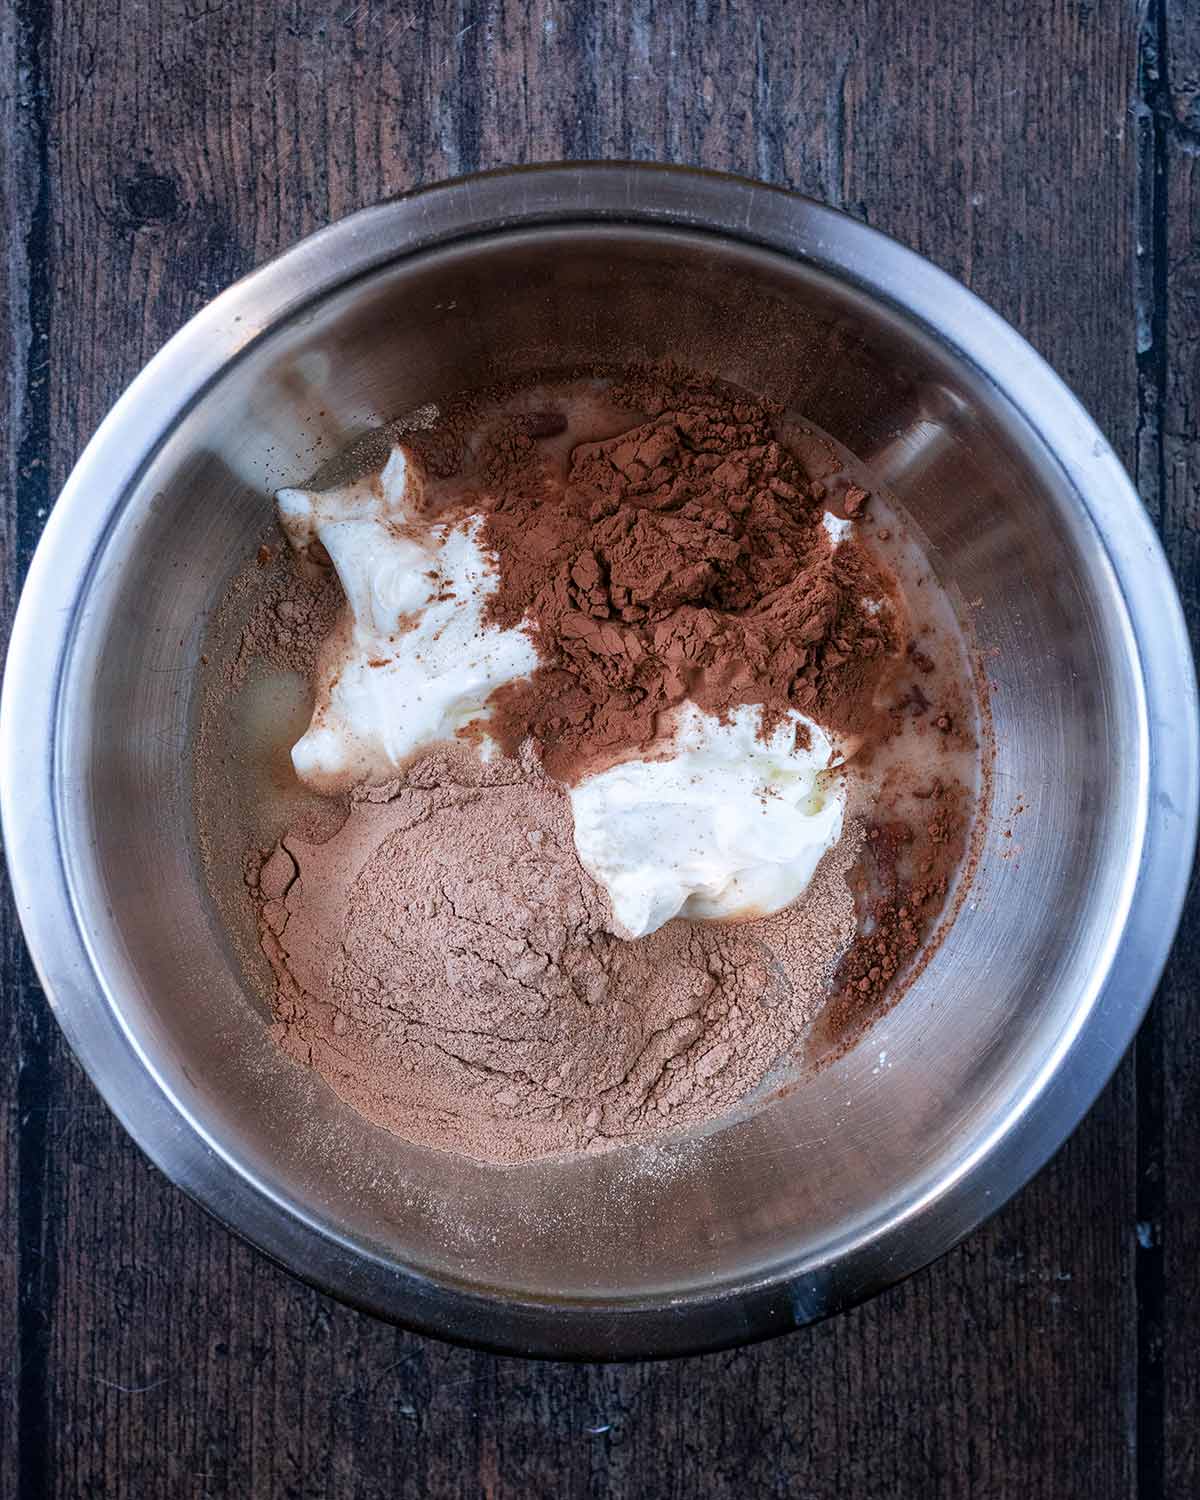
(866, 1170)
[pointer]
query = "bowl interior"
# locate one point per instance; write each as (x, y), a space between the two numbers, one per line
(852, 1147)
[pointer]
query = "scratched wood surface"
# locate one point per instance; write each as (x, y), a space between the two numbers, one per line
(1050, 156)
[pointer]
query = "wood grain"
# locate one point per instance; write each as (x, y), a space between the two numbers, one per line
(25, 1025)
(1170, 1224)
(14, 301)
(153, 153)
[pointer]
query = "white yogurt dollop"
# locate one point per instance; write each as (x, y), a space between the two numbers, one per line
(417, 663)
(725, 825)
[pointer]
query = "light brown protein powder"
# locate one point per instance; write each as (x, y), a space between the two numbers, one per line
(446, 963)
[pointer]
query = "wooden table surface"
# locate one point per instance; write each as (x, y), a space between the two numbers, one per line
(1046, 153)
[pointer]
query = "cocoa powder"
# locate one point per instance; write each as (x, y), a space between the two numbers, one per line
(684, 559)
(293, 616)
(901, 884)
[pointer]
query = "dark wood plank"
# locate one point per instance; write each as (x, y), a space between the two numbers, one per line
(25, 1025)
(14, 343)
(1171, 1230)
(1181, 49)
(188, 140)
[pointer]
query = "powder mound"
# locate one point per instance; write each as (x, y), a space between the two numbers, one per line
(684, 559)
(446, 963)
(293, 618)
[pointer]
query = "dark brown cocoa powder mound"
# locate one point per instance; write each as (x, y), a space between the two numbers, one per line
(901, 885)
(684, 559)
